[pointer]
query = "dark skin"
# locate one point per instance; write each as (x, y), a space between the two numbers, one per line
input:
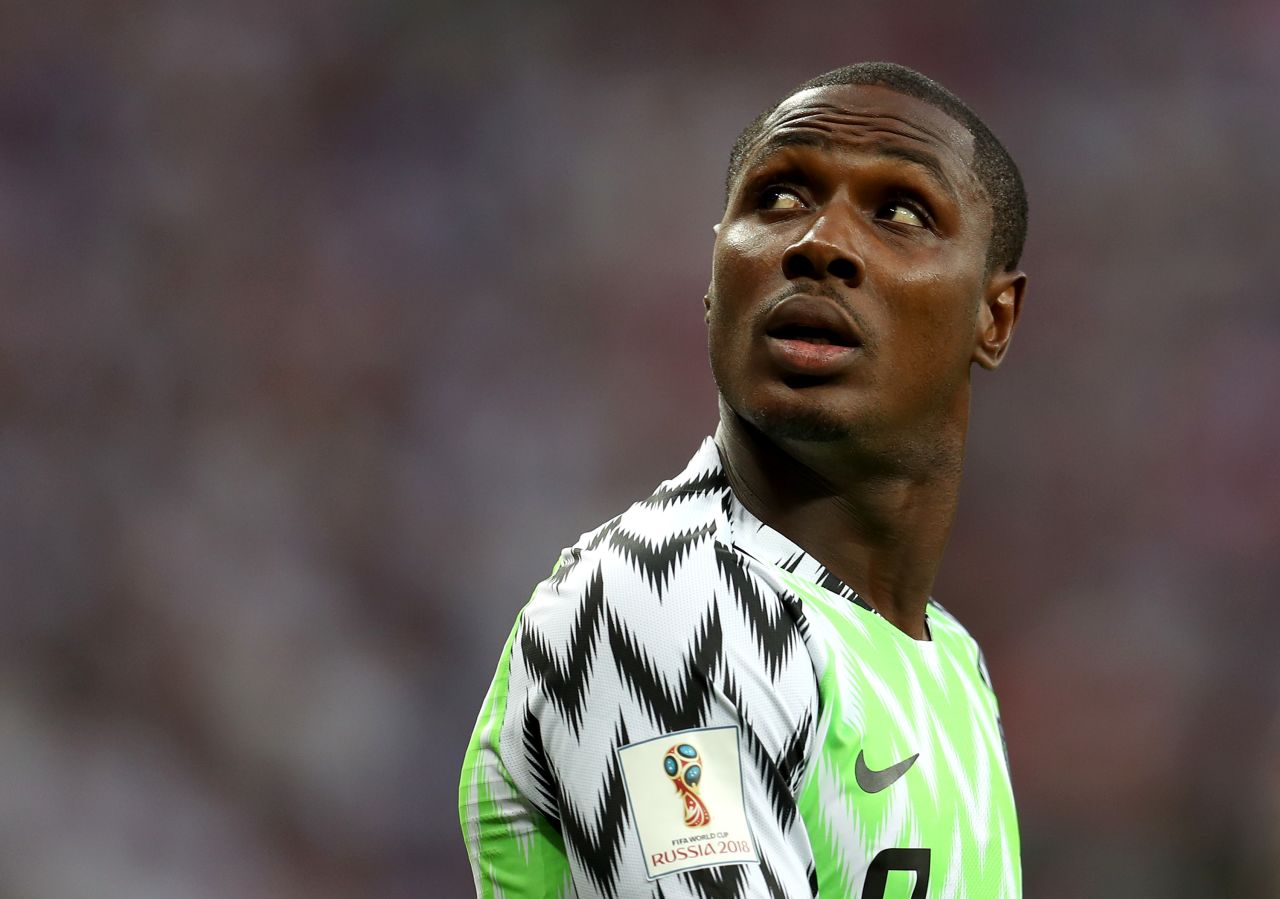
(850, 298)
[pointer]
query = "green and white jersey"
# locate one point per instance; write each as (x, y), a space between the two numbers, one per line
(692, 706)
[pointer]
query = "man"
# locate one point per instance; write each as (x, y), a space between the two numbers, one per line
(741, 686)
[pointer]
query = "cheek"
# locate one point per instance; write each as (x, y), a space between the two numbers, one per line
(742, 239)
(740, 252)
(943, 305)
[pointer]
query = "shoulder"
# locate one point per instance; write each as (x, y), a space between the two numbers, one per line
(653, 556)
(660, 597)
(668, 566)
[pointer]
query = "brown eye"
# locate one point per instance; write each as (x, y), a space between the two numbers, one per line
(903, 214)
(780, 198)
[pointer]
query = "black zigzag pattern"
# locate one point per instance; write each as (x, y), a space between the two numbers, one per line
(813, 880)
(792, 562)
(565, 682)
(561, 574)
(656, 561)
(724, 882)
(690, 702)
(795, 752)
(535, 753)
(704, 484)
(832, 582)
(598, 842)
(777, 783)
(774, 628)
(565, 568)
(603, 532)
(771, 880)
(726, 505)
(795, 610)
(829, 581)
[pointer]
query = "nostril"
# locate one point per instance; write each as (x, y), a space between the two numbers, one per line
(798, 265)
(842, 269)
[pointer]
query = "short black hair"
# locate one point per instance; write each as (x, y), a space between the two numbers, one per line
(992, 164)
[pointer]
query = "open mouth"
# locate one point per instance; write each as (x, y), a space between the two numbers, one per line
(809, 333)
(811, 336)
(810, 319)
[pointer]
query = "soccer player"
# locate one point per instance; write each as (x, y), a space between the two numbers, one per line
(741, 686)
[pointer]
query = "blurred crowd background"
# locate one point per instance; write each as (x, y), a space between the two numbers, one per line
(325, 324)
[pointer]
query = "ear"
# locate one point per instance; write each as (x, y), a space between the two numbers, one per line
(706, 300)
(1001, 304)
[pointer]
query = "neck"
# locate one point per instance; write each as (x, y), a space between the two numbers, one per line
(880, 526)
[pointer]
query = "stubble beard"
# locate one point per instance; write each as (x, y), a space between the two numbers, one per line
(866, 441)
(790, 419)
(802, 425)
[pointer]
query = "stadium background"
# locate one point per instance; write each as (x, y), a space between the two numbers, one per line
(325, 324)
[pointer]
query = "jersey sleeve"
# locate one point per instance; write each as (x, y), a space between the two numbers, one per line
(636, 648)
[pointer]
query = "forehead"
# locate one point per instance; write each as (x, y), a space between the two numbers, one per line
(871, 119)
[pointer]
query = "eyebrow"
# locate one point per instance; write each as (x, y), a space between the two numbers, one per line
(926, 160)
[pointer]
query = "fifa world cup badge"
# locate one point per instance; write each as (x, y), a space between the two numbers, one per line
(684, 766)
(705, 823)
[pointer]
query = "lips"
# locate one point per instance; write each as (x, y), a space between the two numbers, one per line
(813, 319)
(811, 335)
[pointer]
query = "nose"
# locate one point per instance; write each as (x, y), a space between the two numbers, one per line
(825, 250)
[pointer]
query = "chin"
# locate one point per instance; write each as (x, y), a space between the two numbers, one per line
(794, 409)
(801, 422)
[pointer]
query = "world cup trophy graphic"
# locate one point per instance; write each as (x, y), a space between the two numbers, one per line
(684, 766)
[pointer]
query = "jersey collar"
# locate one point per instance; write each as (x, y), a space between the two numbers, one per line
(751, 536)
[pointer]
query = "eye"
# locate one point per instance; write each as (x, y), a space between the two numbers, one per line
(778, 197)
(904, 213)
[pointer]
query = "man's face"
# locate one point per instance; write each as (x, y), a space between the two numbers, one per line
(850, 268)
